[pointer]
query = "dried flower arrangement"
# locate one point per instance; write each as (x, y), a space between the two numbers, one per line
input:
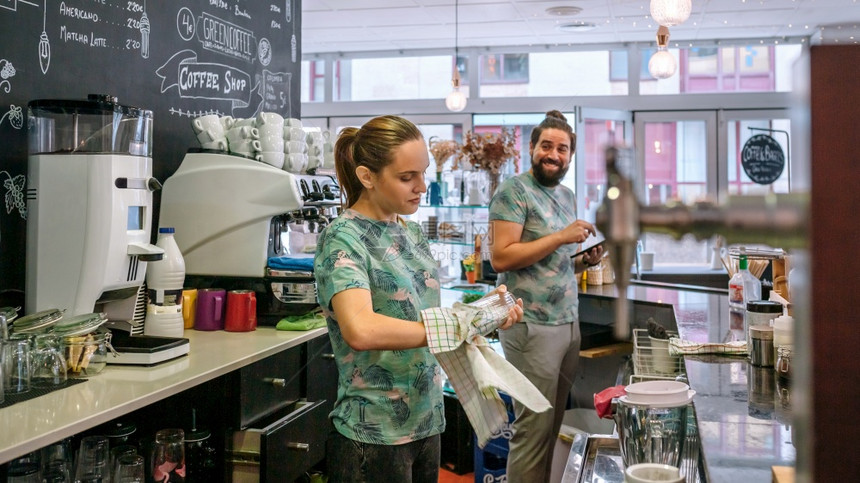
(490, 151)
(442, 149)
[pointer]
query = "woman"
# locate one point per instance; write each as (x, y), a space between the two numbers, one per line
(375, 273)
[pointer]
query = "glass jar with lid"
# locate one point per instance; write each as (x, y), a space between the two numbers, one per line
(86, 355)
(37, 323)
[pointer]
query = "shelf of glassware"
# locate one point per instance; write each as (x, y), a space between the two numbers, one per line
(452, 234)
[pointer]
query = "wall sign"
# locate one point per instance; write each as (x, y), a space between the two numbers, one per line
(762, 159)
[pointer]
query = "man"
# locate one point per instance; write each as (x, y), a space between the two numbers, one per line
(534, 234)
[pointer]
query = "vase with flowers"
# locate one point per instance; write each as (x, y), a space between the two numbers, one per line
(490, 152)
(469, 267)
(441, 150)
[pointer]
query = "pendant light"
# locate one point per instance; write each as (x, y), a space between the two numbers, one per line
(662, 64)
(670, 12)
(456, 100)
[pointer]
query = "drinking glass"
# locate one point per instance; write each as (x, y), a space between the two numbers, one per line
(168, 456)
(92, 464)
(49, 364)
(118, 452)
(128, 469)
(57, 462)
(16, 364)
(495, 306)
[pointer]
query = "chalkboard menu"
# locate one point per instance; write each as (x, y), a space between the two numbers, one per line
(179, 59)
(762, 159)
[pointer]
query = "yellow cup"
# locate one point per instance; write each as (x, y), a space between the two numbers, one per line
(189, 307)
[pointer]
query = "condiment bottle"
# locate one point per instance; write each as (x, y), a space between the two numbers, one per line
(743, 286)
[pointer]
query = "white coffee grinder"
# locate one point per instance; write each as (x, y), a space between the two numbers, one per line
(89, 202)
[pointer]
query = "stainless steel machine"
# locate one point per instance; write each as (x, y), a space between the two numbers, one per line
(243, 224)
(89, 202)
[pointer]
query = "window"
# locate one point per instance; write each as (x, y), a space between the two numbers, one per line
(504, 68)
(313, 81)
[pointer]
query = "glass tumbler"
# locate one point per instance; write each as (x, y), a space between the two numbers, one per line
(16, 364)
(93, 458)
(128, 469)
(494, 306)
(168, 456)
(49, 364)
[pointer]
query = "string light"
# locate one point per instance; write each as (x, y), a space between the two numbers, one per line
(456, 100)
(671, 12)
(662, 64)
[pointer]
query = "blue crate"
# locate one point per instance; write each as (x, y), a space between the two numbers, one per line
(490, 462)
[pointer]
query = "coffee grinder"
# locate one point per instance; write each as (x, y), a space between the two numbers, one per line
(89, 202)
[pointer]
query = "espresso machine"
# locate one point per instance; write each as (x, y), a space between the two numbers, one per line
(243, 224)
(89, 202)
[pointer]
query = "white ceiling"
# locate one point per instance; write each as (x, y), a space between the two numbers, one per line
(391, 25)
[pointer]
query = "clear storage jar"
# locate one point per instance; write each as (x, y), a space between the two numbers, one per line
(86, 355)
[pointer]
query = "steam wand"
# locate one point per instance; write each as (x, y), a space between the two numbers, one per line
(774, 219)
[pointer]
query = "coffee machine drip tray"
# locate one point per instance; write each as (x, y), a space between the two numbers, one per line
(146, 350)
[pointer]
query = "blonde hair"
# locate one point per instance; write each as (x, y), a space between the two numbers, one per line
(371, 146)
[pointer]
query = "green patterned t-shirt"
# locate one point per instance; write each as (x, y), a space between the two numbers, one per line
(548, 287)
(384, 396)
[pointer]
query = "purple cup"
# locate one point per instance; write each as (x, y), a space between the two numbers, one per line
(211, 303)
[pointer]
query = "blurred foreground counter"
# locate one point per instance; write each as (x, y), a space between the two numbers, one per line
(742, 411)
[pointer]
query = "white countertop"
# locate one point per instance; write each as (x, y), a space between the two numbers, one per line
(118, 390)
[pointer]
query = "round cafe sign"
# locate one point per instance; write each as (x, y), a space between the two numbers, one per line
(762, 159)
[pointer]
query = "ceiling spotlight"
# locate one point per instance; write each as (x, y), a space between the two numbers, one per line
(576, 26)
(670, 12)
(564, 11)
(662, 64)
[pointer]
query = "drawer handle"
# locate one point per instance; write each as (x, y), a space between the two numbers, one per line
(328, 355)
(299, 446)
(278, 381)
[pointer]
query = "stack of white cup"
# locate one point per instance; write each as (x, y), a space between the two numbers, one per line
(244, 139)
(271, 128)
(315, 147)
(295, 147)
(211, 131)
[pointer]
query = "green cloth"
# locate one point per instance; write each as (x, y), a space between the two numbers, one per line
(313, 320)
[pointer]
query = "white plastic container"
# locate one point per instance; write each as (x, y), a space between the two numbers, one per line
(166, 277)
(743, 286)
(783, 332)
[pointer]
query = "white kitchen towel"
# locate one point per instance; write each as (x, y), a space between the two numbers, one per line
(680, 347)
(475, 370)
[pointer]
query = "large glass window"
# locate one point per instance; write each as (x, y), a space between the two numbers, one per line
(394, 78)
(738, 132)
(738, 68)
(313, 81)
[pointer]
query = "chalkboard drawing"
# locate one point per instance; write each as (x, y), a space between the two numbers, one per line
(276, 92)
(6, 72)
(15, 193)
(205, 80)
(144, 35)
(264, 51)
(185, 23)
(16, 117)
(223, 37)
(44, 45)
(288, 8)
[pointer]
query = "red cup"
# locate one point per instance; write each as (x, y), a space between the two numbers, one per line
(241, 311)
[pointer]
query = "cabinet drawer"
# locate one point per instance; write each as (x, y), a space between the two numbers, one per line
(322, 375)
(268, 385)
(282, 450)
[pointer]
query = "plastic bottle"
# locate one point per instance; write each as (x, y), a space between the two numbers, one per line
(166, 277)
(743, 286)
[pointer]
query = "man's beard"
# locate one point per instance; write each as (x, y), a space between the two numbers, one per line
(547, 179)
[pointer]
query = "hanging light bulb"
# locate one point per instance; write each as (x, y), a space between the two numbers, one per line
(456, 100)
(662, 64)
(670, 12)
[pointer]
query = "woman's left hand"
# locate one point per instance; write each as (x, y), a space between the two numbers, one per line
(515, 314)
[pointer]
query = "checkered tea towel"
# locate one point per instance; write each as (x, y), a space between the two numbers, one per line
(475, 370)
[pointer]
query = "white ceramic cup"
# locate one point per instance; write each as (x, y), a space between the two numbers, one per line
(296, 163)
(296, 147)
(652, 473)
(273, 158)
(328, 161)
(271, 142)
(270, 119)
(294, 133)
(242, 121)
(218, 144)
(227, 122)
(207, 136)
(646, 261)
(293, 122)
(247, 147)
(242, 133)
(209, 122)
(315, 138)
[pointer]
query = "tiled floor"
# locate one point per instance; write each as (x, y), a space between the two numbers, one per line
(446, 476)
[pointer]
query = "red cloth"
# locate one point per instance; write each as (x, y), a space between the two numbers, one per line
(603, 400)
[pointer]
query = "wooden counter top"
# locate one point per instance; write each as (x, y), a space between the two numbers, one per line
(118, 390)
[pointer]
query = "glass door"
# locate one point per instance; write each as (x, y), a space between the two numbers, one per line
(736, 129)
(595, 129)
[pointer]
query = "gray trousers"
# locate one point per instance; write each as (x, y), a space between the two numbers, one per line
(548, 357)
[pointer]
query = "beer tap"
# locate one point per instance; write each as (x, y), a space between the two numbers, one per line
(774, 219)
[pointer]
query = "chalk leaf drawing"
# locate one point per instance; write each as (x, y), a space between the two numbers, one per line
(15, 193)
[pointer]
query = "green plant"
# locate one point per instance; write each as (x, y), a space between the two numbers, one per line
(470, 297)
